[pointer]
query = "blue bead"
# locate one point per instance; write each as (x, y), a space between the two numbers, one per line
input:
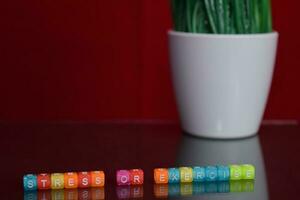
(30, 182)
(223, 173)
(174, 175)
(199, 174)
(211, 173)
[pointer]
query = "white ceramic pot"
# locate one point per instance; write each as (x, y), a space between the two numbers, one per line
(222, 82)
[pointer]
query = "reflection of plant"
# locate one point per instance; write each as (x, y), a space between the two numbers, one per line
(222, 16)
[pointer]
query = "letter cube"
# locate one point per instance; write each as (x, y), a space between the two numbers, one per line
(211, 173)
(98, 179)
(186, 174)
(161, 175)
(223, 173)
(136, 176)
(198, 174)
(248, 172)
(84, 179)
(30, 182)
(123, 177)
(70, 180)
(44, 181)
(235, 172)
(57, 181)
(174, 175)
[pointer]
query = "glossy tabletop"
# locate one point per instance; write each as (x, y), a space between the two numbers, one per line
(49, 147)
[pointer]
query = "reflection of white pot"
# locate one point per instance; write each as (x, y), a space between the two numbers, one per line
(202, 152)
(222, 81)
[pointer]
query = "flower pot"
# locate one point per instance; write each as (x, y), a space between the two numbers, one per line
(222, 82)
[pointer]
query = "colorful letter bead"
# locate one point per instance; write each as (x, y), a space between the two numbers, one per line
(161, 175)
(136, 176)
(235, 172)
(44, 181)
(248, 172)
(30, 182)
(57, 181)
(98, 179)
(84, 179)
(70, 180)
(223, 173)
(174, 175)
(211, 173)
(198, 174)
(186, 174)
(123, 177)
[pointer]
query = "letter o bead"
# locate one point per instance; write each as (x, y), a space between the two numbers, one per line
(71, 180)
(161, 175)
(30, 182)
(211, 173)
(123, 177)
(44, 181)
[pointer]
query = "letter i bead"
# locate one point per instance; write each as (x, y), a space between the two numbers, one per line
(161, 175)
(186, 174)
(57, 181)
(84, 179)
(44, 181)
(123, 177)
(136, 176)
(98, 179)
(223, 173)
(174, 175)
(30, 182)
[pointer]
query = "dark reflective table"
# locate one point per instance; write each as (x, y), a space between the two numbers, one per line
(40, 147)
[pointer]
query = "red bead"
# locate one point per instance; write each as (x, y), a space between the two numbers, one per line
(136, 177)
(84, 179)
(44, 181)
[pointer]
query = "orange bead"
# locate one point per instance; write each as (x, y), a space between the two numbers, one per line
(84, 179)
(161, 175)
(97, 178)
(44, 181)
(136, 176)
(70, 180)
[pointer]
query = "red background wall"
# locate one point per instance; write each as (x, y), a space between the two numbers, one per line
(95, 59)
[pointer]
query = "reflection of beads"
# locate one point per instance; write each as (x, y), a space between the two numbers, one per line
(202, 174)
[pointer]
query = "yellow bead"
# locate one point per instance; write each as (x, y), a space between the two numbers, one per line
(57, 181)
(186, 174)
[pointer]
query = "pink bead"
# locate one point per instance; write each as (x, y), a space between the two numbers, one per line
(123, 177)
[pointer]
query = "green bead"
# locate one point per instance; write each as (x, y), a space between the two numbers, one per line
(235, 172)
(248, 172)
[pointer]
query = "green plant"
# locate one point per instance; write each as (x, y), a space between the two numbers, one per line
(222, 16)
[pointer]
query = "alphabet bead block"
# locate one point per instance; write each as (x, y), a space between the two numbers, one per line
(174, 175)
(123, 177)
(186, 174)
(248, 172)
(198, 174)
(223, 173)
(235, 172)
(98, 179)
(161, 175)
(44, 181)
(57, 181)
(70, 180)
(136, 176)
(30, 182)
(84, 179)
(211, 173)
